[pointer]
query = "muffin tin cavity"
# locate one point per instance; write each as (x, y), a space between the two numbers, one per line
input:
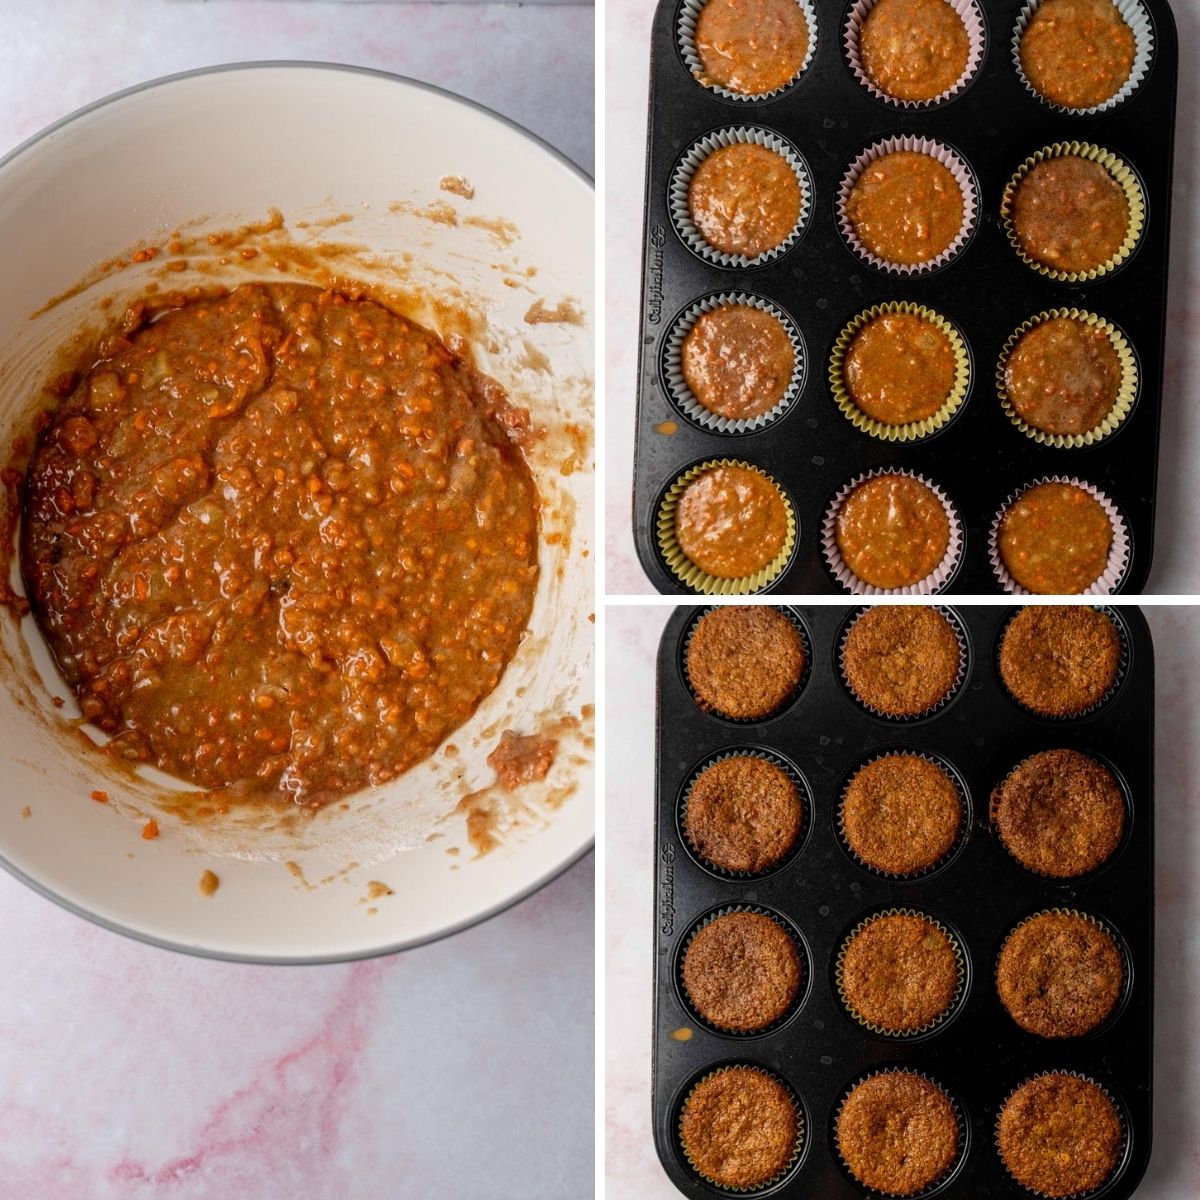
(974, 896)
(988, 132)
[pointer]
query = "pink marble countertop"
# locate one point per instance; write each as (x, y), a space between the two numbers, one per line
(131, 1073)
(1176, 568)
(631, 1165)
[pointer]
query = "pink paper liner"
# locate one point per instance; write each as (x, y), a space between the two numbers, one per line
(972, 19)
(931, 584)
(1118, 553)
(957, 166)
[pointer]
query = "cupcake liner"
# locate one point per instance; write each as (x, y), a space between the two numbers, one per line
(681, 178)
(964, 1132)
(801, 992)
(1127, 393)
(805, 641)
(972, 19)
(685, 32)
(806, 801)
(1118, 554)
(1104, 927)
(1114, 615)
(1131, 185)
(934, 582)
(801, 1131)
(691, 575)
(950, 159)
(1122, 1150)
(1135, 15)
(676, 385)
(907, 1035)
(964, 808)
(912, 430)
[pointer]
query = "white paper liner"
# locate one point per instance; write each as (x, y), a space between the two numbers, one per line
(681, 395)
(1122, 1149)
(1136, 16)
(681, 178)
(934, 582)
(685, 31)
(1118, 553)
(972, 19)
(960, 1153)
(963, 176)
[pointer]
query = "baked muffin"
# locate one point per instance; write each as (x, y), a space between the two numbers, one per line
(901, 814)
(901, 660)
(751, 47)
(899, 973)
(892, 531)
(1060, 975)
(1059, 1135)
(744, 199)
(906, 207)
(1059, 813)
(738, 361)
(1069, 214)
(740, 1127)
(744, 814)
(1059, 660)
(897, 1133)
(913, 49)
(1077, 53)
(742, 971)
(744, 661)
(732, 521)
(1054, 539)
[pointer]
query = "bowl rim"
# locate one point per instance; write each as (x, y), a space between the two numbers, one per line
(547, 877)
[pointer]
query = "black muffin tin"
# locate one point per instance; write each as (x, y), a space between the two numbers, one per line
(979, 458)
(979, 1054)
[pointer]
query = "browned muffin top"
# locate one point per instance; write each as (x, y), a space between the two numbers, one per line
(739, 1127)
(901, 659)
(742, 971)
(1059, 1135)
(1059, 813)
(897, 1132)
(901, 813)
(1059, 975)
(743, 814)
(744, 660)
(899, 973)
(1059, 660)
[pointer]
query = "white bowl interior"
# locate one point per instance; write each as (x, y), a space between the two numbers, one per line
(211, 151)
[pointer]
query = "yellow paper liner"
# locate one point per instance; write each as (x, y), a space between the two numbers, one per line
(1122, 1149)
(1101, 925)
(691, 575)
(1127, 391)
(797, 1150)
(942, 1017)
(1134, 197)
(912, 430)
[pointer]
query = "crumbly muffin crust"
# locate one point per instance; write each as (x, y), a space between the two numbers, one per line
(742, 971)
(1060, 975)
(1059, 813)
(897, 1132)
(1059, 1135)
(901, 660)
(739, 1127)
(743, 814)
(744, 661)
(899, 973)
(1058, 660)
(901, 814)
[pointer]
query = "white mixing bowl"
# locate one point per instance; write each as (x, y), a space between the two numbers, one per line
(352, 158)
